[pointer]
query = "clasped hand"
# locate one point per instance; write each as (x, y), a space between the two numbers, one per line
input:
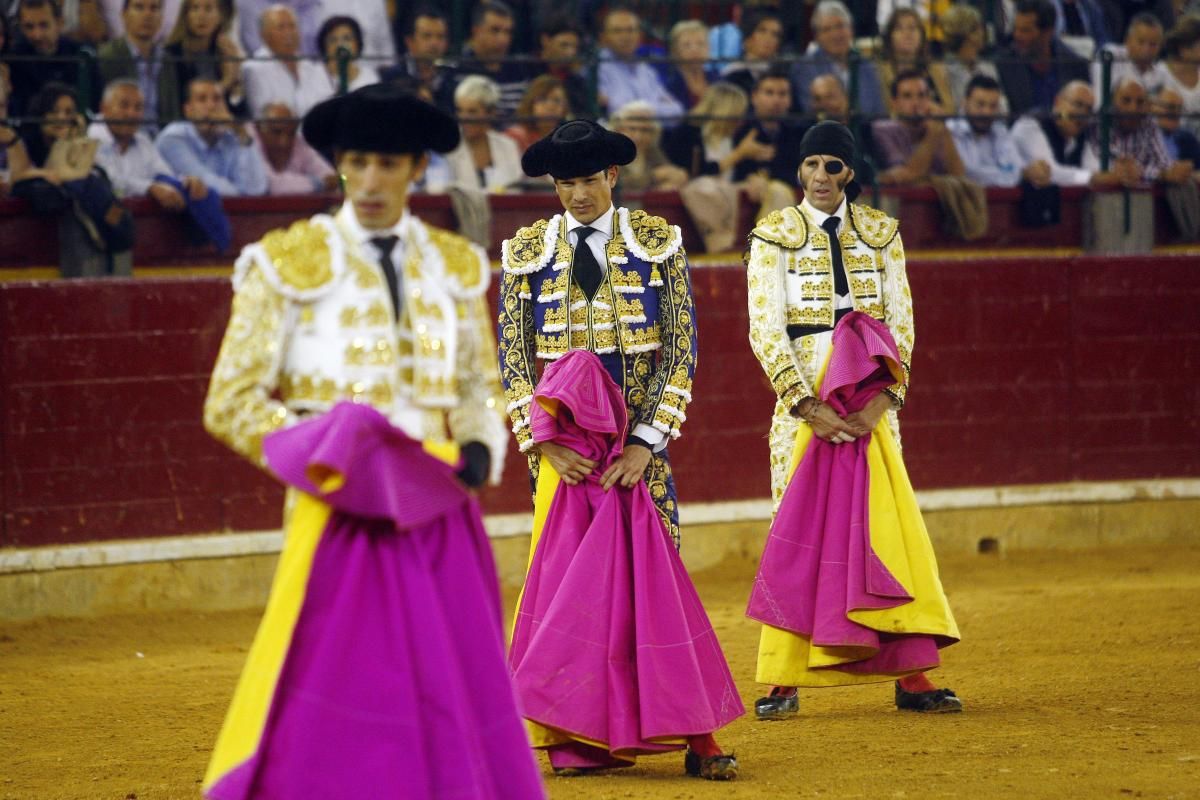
(574, 468)
(828, 425)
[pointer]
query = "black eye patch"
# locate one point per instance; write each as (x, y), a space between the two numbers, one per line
(834, 167)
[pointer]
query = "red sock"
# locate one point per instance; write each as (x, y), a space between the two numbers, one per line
(917, 683)
(783, 691)
(704, 746)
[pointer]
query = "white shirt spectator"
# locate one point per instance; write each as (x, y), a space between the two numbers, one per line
(269, 81)
(1152, 79)
(622, 82)
(991, 158)
(132, 171)
(1032, 145)
(504, 172)
(366, 76)
(1191, 102)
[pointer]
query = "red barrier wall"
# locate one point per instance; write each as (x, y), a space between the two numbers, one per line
(1025, 371)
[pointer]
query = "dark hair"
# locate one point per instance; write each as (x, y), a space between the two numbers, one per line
(890, 28)
(40, 105)
(561, 23)
(54, 5)
(986, 82)
(424, 10)
(1144, 18)
(618, 8)
(908, 75)
(1185, 34)
(755, 17)
(489, 7)
(1047, 14)
(776, 72)
(187, 90)
(328, 26)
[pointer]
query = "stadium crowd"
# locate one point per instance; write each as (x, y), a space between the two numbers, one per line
(189, 101)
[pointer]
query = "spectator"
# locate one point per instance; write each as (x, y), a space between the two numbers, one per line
(1036, 64)
(560, 40)
(1164, 10)
(339, 33)
(762, 36)
(651, 170)
(688, 75)
(984, 143)
(1136, 58)
(308, 17)
(1135, 137)
(1182, 50)
(114, 18)
(915, 145)
(484, 160)
(56, 57)
(83, 22)
(929, 15)
(292, 166)
(965, 39)
(830, 53)
(770, 127)
(1056, 141)
(905, 48)
(830, 101)
(199, 47)
(703, 143)
(372, 17)
(486, 54)
(426, 38)
(542, 108)
(1182, 144)
(277, 74)
(136, 55)
(211, 145)
(622, 77)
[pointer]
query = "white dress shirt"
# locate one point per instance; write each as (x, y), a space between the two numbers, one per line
(132, 171)
(270, 81)
(1032, 145)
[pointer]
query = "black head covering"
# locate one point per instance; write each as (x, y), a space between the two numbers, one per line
(379, 119)
(577, 148)
(830, 138)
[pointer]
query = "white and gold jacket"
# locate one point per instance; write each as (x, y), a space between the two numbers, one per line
(313, 324)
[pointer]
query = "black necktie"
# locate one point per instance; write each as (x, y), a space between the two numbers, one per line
(385, 244)
(584, 266)
(840, 284)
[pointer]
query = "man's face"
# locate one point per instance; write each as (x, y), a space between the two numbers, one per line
(1129, 101)
(41, 29)
(142, 19)
(205, 106)
(1073, 110)
(828, 98)
(622, 33)
(1168, 105)
(277, 129)
(771, 98)
(492, 37)
(429, 40)
(587, 198)
(763, 43)
(824, 179)
(377, 184)
(1027, 38)
(123, 109)
(561, 48)
(833, 35)
(982, 107)
(912, 99)
(1143, 43)
(280, 33)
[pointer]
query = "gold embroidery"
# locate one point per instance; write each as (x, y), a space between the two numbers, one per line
(653, 234)
(876, 228)
(462, 262)
(786, 228)
(300, 255)
(526, 245)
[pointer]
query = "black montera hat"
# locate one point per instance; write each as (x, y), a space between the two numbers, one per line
(577, 148)
(379, 119)
(830, 138)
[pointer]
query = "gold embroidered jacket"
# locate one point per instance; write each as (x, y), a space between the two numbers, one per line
(312, 323)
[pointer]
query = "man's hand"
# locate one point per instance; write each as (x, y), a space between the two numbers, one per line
(863, 422)
(1128, 171)
(751, 148)
(827, 425)
(167, 196)
(196, 188)
(628, 469)
(569, 465)
(934, 127)
(1178, 172)
(1037, 173)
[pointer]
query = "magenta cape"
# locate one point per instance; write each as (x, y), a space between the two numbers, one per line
(611, 644)
(394, 684)
(818, 566)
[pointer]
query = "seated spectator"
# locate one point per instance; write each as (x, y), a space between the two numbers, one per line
(542, 108)
(561, 39)
(965, 39)
(830, 53)
(308, 13)
(1036, 64)
(276, 74)
(762, 36)
(769, 127)
(622, 77)
(1182, 51)
(52, 57)
(1135, 138)
(136, 55)
(1053, 143)
(929, 16)
(484, 160)
(1182, 144)
(829, 101)
(292, 166)
(913, 146)
(372, 16)
(339, 33)
(114, 18)
(983, 140)
(486, 53)
(651, 170)
(688, 74)
(905, 48)
(210, 144)
(426, 36)
(1136, 58)
(200, 47)
(703, 143)
(53, 170)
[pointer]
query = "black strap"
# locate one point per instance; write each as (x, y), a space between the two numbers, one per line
(385, 245)
(840, 284)
(584, 266)
(796, 331)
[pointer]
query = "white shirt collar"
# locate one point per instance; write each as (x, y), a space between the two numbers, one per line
(602, 223)
(361, 235)
(820, 216)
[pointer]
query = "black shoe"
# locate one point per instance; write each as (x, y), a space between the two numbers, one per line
(713, 768)
(575, 772)
(939, 701)
(777, 705)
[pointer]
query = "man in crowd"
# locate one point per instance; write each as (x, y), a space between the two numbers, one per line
(984, 143)
(769, 103)
(833, 32)
(1136, 58)
(1054, 143)
(561, 39)
(1135, 136)
(276, 74)
(1036, 64)
(828, 100)
(426, 35)
(308, 13)
(211, 145)
(624, 78)
(292, 166)
(914, 146)
(1181, 143)
(137, 55)
(762, 35)
(53, 56)
(486, 53)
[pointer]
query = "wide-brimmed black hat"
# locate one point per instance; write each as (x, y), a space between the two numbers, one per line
(830, 138)
(379, 119)
(577, 148)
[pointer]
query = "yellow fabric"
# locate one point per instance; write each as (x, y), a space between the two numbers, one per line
(243, 727)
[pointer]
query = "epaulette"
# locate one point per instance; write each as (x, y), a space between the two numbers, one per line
(531, 248)
(468, 271)
(648, 237)
(874, 227)
(786, 228)
(298, 261)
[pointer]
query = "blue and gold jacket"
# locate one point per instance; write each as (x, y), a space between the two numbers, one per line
(641, 322)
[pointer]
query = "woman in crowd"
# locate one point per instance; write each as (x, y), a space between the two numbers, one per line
(965, 41)
(905, 48)
(344, 32)
(1182, 52)
(651, 170)
(484, 160)
(688, 76)
(540, 111)
(703, 143)
(200, 46)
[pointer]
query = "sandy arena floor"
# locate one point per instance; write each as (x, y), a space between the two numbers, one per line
(1079, 671)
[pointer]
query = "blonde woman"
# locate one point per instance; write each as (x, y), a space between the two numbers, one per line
(199, 46)
(703, 143)
(689, 76)
(965, 41)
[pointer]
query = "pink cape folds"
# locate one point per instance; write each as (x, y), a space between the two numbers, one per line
(393, 682)
(819, 569)
(611, 645)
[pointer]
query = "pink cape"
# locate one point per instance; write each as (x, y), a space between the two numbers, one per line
(611, 643)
